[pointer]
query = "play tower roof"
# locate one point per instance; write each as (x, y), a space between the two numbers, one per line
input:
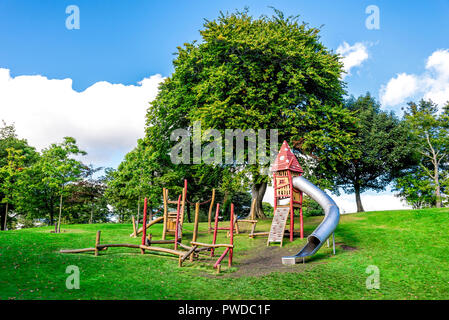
(286, 160)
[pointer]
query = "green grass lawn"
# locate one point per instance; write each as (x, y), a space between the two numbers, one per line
(410, 248)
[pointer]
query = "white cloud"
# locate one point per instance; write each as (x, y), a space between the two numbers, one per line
(353, 56)
(432, 84)
(106, 119)
(398, 89)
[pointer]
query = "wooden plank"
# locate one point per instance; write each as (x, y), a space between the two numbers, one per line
(166, 250)
(119, 245)
(160, 241)
(148, 225)
(209, 245)
(278, 225)
(255, 234)
(188, 253)
(80, 250)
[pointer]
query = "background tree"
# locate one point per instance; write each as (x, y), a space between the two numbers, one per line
(9, 175)
(266, 73)
(384, 146)
(15, 153)
(86, 202)
(43, 184)
(416, 188)
(430, 128)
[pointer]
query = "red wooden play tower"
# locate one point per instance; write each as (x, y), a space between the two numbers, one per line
(286, 197)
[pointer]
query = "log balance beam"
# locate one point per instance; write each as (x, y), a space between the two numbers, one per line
(182, 255)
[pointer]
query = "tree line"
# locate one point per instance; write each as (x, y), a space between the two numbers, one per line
(246, 73)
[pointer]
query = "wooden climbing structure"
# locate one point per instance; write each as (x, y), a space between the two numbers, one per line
(229, 248)
(286, 198)
(170, 225)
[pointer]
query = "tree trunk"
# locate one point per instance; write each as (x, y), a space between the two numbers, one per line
(258, 192)
(51, 217)
(6, 216)
(437, 186)
(60, 212)
(91, 213)
(358, 200)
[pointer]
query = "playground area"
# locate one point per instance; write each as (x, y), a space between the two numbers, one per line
(406, 245)
(289, 187)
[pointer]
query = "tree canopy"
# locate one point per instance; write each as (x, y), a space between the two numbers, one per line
(264, 73)
(384, 145)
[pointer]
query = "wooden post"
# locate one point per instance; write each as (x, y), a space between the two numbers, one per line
(215, 229)
(301, 225)
(209, 216)
(144, 225)
(138, 212)
(183, 203)
(275, 193)
(177, 222)
(165, 196)
(97, 242)
(60, 212)
(292, 214)
(253, 210)
(134, 227)
(236, 224)
(195, 225)
(231, 228)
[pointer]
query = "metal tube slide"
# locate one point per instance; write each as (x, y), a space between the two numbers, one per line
(326, 227)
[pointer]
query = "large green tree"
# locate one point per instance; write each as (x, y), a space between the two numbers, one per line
(265, 73)
(415, 187)
(430, 127)
(15, 155)
(384, 145)
(43, 185)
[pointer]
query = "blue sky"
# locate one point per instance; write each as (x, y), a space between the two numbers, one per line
(123, 49)
(123, 41)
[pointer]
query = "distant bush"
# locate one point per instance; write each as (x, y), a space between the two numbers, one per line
(311, 208)
(267, 209)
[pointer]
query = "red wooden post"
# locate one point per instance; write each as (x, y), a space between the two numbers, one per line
(221, 257)
(275, 192)
(177, 222)
(231, 228)
(215, 229)
(144, 226)
(292, 223)
(300, 215)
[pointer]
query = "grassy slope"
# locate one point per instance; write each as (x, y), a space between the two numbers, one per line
(409, 247)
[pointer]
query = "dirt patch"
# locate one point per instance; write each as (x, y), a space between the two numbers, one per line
(345, 247)
(265, 261)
